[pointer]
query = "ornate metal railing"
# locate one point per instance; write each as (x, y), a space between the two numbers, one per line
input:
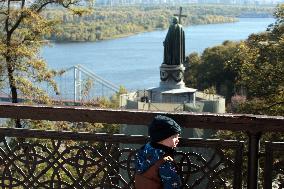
(88, 160)
(54, 159)
(274, 165)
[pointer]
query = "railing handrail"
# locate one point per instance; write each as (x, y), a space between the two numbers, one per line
(111, 138)
(235, 122)
(253, 125)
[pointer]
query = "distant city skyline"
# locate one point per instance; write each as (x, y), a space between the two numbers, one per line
(175, 2)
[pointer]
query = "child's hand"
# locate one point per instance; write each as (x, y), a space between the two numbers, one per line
(168, 158)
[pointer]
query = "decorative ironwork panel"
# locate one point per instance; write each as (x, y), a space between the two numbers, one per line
(274, 165)
(104, 163)
(58, 164)
(211, 163)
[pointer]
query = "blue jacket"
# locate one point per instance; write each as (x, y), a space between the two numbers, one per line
(149, 154)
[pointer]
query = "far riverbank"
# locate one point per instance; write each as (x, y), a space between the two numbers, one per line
(104, 23)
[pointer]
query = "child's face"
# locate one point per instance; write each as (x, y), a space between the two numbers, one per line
(172, 141)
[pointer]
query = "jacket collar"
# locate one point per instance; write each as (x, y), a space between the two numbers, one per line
(168, 151)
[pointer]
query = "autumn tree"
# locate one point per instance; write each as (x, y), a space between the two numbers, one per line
(22, 30)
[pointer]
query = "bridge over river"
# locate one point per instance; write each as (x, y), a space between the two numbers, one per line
(76, 84)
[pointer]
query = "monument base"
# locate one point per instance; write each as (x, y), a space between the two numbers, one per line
(172, 88)
(171, 76)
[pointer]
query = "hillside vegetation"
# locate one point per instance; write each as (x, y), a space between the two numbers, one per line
(112, 22)
(248, 73)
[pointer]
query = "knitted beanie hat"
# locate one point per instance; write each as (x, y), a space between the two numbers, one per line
(162, 127)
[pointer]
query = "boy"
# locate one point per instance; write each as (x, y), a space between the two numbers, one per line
(155, 167)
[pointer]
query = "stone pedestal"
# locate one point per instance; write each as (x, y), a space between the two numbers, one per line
(171, 76)
(172, 88)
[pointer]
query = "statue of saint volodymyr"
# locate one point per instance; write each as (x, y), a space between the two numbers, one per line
(174, 52)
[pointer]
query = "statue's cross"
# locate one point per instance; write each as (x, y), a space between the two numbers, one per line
(179, 15)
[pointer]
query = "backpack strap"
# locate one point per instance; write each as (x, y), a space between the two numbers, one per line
(150, 179)
(153, 171)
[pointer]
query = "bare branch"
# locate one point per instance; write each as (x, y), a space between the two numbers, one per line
(67, 5)
(23, 4)
(3, 12)
(7, 18)
(40, 4)
(263, 109)
(272, 105)
(17, 23)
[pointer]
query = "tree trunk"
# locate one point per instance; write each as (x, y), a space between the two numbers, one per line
(13, 88)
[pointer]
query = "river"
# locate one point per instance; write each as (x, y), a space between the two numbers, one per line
(134, 61)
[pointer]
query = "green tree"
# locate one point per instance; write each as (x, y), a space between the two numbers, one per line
(192, 65)
(253, 68)
(209, 70)
(259, 67)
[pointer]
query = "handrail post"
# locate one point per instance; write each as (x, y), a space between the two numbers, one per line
(268, 164)
(253, 160)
